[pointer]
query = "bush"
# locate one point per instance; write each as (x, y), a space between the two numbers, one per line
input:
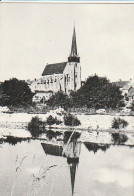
(35, 126)
(71, 120)
(59, 99)
(119, 123)
(51, 120)
(119, 138)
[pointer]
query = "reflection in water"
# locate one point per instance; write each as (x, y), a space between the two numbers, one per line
(71, 163)
(95, 147)
(52, 149)
(70, 149)
(13, 140)
(52, 134)
(70, 136)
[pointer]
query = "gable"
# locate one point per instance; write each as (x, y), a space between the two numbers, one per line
(56, 68)
(121, 84)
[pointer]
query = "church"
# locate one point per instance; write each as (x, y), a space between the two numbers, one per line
(65, 76)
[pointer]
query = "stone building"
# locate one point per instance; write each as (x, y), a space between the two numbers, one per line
(64, 76)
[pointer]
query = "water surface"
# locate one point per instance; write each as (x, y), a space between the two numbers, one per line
(51, 168)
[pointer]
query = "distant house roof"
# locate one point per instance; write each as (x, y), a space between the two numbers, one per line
(121, 84)
(29, 82)
(131, 92)
(56, 68)
(127, 86)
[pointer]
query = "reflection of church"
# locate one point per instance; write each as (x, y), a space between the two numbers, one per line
(70, 151)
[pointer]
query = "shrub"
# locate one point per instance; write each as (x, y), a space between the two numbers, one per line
(119, 138)
(59, 99)
(71, 120)
(119, 123)
(51, 120)
(35, 126)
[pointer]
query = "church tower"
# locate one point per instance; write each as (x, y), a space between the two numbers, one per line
(72, 73)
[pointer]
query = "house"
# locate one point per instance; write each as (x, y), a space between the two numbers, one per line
(41, 96)
(63, 76)
(131, 94)
(125, 90)
(129, 98)
(121, 83)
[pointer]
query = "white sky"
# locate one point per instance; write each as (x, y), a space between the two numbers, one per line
(34, 34)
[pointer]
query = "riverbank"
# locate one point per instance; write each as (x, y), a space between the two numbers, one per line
(90, 122)
(93, 128)
(43, 109)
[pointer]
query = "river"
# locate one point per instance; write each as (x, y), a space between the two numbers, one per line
(36, 167)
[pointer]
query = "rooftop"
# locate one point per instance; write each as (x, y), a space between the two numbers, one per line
(131, 92)
(120, 83)
(56, 68)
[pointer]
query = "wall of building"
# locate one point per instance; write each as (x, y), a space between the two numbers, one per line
(72, 77)
(48, 83)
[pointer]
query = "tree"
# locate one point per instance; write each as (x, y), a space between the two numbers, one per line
(98, 92)
(17, 92)
(59, 99)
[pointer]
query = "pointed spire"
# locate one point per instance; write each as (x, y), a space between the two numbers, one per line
(74, 55)
(74, 45)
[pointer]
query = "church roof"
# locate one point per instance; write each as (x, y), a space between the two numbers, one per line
(74, 45)
(56, 68)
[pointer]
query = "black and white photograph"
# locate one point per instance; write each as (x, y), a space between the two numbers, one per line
(66, 99)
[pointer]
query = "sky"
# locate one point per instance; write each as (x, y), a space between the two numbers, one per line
(34, 34)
